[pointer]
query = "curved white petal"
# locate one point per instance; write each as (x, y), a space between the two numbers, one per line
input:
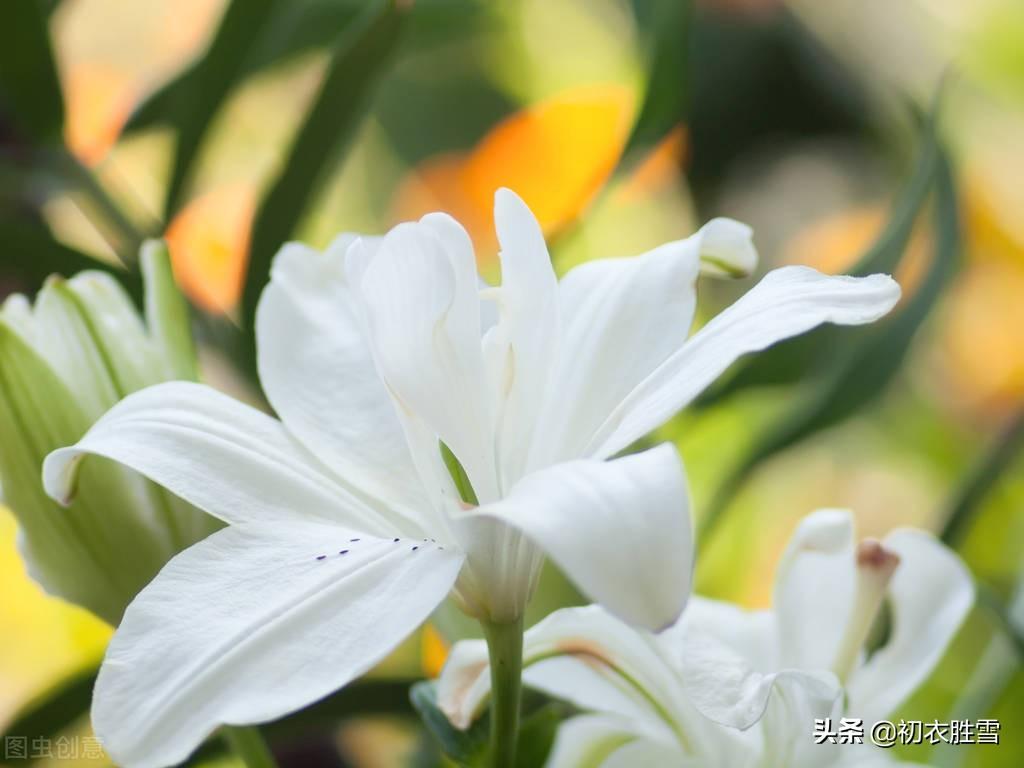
(787, 302)
(725, 688)
(727, 248)
(599, 741)
(870, 756)
(528, 331)
(619, 529)
(815, 584)
(623, 318)
(728, 662)
(224, 457)
(797, 700)
(583, 655)
(930, 594)
(251, 624)
(317, 372)
(751, 634)
(423, 318)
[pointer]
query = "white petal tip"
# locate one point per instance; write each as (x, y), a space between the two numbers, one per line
(60, 474)
(727, 248)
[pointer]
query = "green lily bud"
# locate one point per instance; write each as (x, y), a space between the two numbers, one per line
(63, 363)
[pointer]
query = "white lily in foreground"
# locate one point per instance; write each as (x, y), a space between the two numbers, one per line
(432, 436)
(681, 697)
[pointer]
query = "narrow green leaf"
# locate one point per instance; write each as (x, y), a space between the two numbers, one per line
(666, 27)
(167, 313)
(982, 478)
(359, 57)
(792, 360)
(295, 28)
(467, 748)
(213, 78)
(30, 93)
(865, 361)
(459, 476)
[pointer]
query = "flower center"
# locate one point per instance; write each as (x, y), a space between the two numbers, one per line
(875, 567)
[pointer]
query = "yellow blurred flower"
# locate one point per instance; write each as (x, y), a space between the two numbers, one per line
(42, 638)
(433, 651)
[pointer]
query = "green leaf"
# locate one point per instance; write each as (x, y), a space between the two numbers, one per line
(666, 27)
(167, 313)
(32, 254)
(359, 57)
(861, 366)
(537, 734)
(30, 93)
(982, 478)
(213, 78)
(467, 748)
(792, 360)
(54, 710)
(295, 28)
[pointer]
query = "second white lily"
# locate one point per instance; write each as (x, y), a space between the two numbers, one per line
(434, 436)
(730, 687)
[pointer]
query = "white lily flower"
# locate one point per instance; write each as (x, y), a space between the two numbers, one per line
(349, 524)
(728, 687)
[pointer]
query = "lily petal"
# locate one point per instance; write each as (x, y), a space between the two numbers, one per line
(529, 328)
(598, 741)
(751, 634)
(814, 590)
(582, 655)
(931, 593)
(252, 623)
(798, 699)
(325, 389)
(623, 318)
(648, 752)
(594, 517)
(787, 302)
(224, 457)
(423, 319)
(725, 688)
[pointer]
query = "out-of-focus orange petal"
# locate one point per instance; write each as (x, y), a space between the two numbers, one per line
(437, 185)
(434, 651)
(984, 335)
(555, 154)
(99, 99)
(209, 242)
(659, 169)
(992, 235)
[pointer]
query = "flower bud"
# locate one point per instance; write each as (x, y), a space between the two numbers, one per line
(63, 363)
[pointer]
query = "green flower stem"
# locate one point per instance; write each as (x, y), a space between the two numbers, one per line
(505, 648)
(248, 745)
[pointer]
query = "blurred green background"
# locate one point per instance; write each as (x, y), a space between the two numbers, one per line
(854, 135)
